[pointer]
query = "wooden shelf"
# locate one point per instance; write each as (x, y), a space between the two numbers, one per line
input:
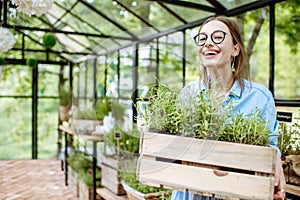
(93, 137)
(108, 195)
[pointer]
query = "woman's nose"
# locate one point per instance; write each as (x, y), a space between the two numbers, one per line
(208, 42)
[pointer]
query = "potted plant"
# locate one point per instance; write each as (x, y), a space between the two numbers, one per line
(49, 40)
(199, 142)
(31, 62)
(65, 103)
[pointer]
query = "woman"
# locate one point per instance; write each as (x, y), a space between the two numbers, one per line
(225, 69)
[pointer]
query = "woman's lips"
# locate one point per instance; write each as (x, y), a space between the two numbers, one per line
(210, 53)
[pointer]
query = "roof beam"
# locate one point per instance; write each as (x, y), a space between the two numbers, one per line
(189, 5)
(251, 6)
(217, 4)
(51, 51)
(66, 32)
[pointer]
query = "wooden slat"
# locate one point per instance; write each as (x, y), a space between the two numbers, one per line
(108, 195)
(292, 189)
(233, 184)
(225, 154)
(110, 179)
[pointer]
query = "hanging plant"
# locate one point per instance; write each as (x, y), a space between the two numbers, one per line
(31, 62)
(33, 7)
(7, 39)
(49, 40)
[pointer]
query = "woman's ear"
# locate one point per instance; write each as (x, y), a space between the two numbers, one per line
(236, 50)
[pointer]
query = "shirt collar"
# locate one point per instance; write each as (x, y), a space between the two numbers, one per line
(236, 90)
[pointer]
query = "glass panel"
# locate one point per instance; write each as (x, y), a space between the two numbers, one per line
(153, 13)
(47, 128)
(72, 42)
(147, 67)
(259, 58)
(126, 81)
(104, 25)
(84, 85)
(189, 14)
(101, 66)
(16, 80)
(192, 58)
(15, 129)
(170, 55)
(49, 79)
(287, 52)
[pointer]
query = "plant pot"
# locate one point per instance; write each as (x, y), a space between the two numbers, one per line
(181, 162)
(64, 113)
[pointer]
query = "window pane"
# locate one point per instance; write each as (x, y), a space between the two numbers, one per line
(15, 129)
(47, 128)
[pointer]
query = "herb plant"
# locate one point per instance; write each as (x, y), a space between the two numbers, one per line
(289, 138)
(128, 141)
(200, 116)
(129, 177)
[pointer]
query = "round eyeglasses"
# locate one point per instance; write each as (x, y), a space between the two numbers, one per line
(217, 37)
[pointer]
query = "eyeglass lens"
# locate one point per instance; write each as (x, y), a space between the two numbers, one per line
(217, 37)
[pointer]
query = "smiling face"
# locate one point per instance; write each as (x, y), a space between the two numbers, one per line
(214, 55)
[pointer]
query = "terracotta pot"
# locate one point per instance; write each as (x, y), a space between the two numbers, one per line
(64, 113)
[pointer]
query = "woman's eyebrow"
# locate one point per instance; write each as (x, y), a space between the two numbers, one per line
(212, 32)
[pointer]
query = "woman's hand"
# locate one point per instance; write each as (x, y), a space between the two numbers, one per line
(279, 181)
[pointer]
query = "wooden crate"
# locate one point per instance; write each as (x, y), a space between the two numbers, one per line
(187, 163)
(73, 180)
(110, 175)
(86, 192)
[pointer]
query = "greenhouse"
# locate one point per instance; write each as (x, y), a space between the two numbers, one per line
(83, 80)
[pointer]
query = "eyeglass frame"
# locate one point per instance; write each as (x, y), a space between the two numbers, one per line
(211, 37)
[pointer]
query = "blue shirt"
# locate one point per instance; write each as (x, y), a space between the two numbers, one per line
(253, 96)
